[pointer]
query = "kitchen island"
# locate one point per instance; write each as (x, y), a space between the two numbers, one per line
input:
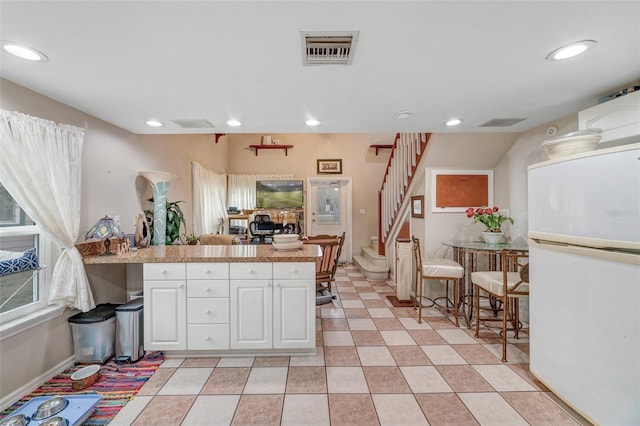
(226, 300)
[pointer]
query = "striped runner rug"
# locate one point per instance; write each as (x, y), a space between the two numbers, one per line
(118, 383)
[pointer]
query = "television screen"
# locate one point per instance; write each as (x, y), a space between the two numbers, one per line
(279, 194)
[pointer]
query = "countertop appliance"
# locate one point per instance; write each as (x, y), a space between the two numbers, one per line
(584, 241)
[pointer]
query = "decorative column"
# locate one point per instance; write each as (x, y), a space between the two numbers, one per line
(160, 184)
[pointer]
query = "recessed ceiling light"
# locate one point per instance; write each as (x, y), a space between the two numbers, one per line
(453, 122)
(24, 52)
(570, 50)
(312, 122)
(154, 123)
(403, 115)
(234, 123)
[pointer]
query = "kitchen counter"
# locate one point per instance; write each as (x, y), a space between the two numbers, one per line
(198, 253)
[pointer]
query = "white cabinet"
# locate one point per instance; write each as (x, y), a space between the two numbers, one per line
(294, 305)
(275, 309)
(618, 118)
(207, 306)
(251, 305)
(164, 307)
(222, 306)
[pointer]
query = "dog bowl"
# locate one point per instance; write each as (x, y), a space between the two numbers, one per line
(17, 420)
(85, 377)
(55, 421)
(50, 407)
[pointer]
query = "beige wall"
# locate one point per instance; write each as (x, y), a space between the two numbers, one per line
(358, 162)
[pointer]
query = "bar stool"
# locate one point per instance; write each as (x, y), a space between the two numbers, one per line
(436, 269)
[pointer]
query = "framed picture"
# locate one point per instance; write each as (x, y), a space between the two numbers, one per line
(330, 167)
(417, 206)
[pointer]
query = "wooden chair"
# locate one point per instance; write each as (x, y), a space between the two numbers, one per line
(436, 269)
(506, 286)
(326, 266)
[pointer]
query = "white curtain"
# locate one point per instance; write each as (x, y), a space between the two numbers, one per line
(242, 189)
(209, 195)
(40, 167)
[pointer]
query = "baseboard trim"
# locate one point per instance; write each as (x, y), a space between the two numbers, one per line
(10, 399)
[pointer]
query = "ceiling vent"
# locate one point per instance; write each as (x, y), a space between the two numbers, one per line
(502, 122)
(200, 123)
(328, 47)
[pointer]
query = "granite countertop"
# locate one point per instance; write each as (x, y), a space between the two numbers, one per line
(198, 253)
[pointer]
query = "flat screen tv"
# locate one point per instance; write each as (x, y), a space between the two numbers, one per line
(279, 194)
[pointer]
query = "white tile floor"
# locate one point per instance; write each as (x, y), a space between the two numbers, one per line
(375, 364)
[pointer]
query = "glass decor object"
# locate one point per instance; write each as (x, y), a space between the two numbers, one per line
(159, 184)
(104, 229)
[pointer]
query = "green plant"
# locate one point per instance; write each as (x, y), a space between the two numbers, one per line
(191, 239)
(175, 220)
(489, 217)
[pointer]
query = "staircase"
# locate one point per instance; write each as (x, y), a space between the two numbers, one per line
(372, 265)
(404, 159)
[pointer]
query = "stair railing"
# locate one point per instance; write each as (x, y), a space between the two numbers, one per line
(405, 155)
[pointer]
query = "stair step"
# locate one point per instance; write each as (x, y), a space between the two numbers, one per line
(372, 256)
(370, 270)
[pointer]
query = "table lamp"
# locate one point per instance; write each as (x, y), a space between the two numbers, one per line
(104, 229)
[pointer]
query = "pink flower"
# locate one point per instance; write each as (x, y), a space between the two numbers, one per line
(488, 211)
(495, 208)
(470, 212)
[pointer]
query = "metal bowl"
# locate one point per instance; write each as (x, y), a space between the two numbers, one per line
(17, 420)
(50, 407)
(55, 421)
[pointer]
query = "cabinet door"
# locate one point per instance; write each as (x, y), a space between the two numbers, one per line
(294, 309)
(165, 320)
(251, 314)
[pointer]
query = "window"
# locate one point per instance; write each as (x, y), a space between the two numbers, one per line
(23, 292)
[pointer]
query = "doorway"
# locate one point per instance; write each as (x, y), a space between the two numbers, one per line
(329, 209)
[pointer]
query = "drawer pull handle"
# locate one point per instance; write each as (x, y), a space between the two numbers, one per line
(207, 289)
(207, 271)
(181, 286)
(163, 272)
(207, 338)
(207, 311)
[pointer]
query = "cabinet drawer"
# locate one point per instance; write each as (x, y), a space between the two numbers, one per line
(207, 271)
(250, 270)
(164, 271)
(208, 310)
(208, 288)
(208, 336)
(293, 270)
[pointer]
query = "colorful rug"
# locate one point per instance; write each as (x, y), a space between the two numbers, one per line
(118, 383)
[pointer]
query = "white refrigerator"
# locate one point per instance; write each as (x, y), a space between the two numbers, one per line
(584, 239)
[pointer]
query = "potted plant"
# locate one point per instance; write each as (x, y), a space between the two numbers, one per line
(175, 220)
(492, 219)
(191, 239)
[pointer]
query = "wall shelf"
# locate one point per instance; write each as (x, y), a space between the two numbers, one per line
(283, 147)
(379, 147)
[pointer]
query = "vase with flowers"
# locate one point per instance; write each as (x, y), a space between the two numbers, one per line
(492, 219)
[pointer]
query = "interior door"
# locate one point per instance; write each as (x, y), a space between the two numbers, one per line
(329, 209)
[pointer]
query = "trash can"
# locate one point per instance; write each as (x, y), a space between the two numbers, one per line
(129, 331)
(93, 334)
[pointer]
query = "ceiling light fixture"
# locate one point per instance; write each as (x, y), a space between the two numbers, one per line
(570, 50)
(453, 122)
(154, 123)
(24, 52)
(312, 122)
(403, 115)
(234, 123)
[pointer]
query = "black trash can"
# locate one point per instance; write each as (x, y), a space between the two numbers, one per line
(94, 334)
(129, 331)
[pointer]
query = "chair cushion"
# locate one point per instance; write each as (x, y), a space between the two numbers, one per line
(442, 268)
(491, 281)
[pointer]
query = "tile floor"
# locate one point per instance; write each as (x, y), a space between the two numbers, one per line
(374, 365)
